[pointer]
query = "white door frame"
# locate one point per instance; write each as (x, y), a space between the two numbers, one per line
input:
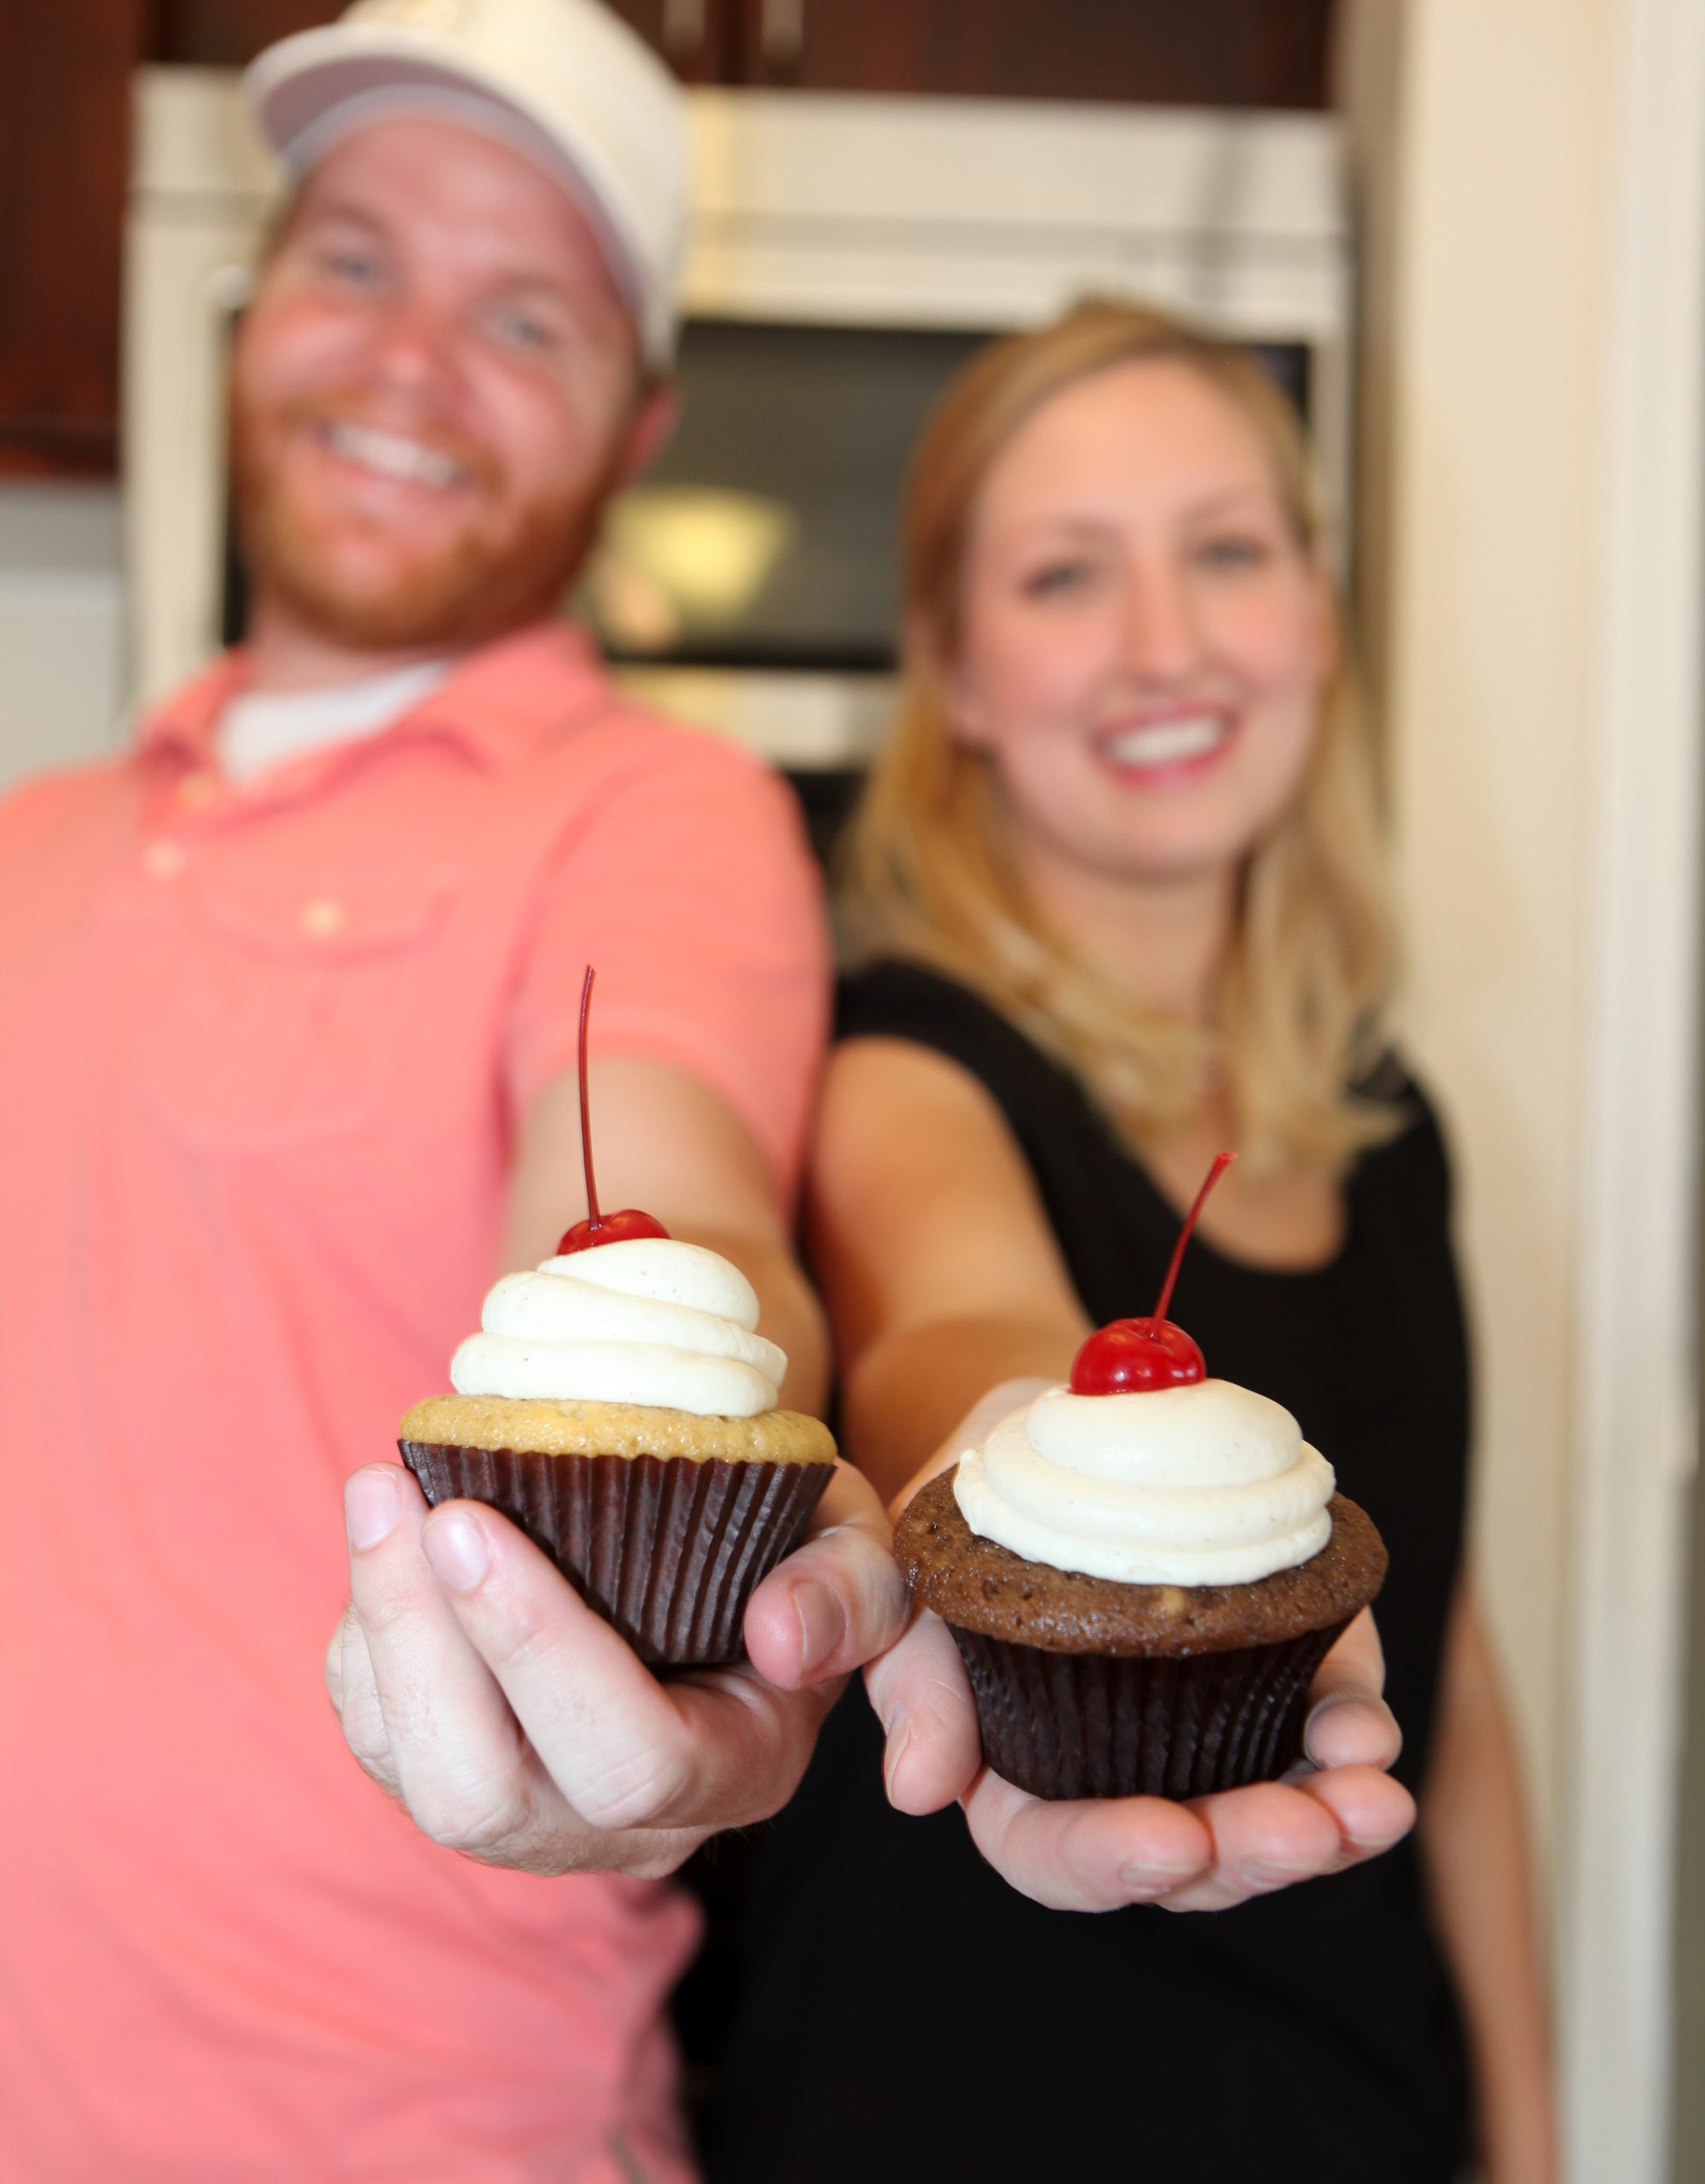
(1638, 1296)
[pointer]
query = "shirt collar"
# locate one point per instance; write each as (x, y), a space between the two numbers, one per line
(498, 706)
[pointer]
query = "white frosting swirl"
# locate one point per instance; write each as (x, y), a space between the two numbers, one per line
(649, 1321)
(1205, 1484)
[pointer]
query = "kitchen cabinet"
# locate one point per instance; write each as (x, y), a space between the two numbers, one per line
(1267, 53)
(228, 33)
(1263, 53)
(65, 72)
(696, 37)
(65, 67)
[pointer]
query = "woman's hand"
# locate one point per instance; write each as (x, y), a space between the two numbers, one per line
(1094, 1854)
(1335, 1809)
(513, 1724)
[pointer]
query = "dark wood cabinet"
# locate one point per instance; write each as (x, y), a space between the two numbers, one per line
(228, 33)
(696, 38)
(65, 70)
(1263, 53)
(1267, 53)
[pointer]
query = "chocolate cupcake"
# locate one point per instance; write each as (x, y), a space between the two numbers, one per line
(1142, 1572)
(1090, 1686)
(620, 1405)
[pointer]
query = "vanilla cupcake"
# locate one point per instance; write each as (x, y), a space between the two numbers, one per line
(620, 1406)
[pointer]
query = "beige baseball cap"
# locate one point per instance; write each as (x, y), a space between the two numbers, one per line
(564, 81)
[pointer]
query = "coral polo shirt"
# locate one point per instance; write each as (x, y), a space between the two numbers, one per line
(266, 1053)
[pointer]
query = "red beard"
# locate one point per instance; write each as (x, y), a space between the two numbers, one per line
(501, 570)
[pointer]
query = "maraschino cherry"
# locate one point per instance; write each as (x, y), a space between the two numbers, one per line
(1129, 1356)
(600, 1228)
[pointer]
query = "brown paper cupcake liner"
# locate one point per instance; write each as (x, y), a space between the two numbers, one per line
(1092, 1725)
(667, 1549)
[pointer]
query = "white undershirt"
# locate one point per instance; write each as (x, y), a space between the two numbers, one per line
(263, 729)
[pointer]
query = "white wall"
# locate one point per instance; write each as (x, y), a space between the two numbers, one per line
(1538, 388)
(62, 625)
(1499, 277)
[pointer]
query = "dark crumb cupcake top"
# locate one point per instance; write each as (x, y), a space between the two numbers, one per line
(979, 1585)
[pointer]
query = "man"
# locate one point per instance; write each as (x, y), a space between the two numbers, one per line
(291, 992)
(290, 996)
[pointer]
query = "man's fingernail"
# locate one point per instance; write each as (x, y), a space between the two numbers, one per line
(456, 1547)
(822, 1623)
(892, 1753)
(1266, 1872)
(1319, 1713)
(1155, 1877)
(371, 1507)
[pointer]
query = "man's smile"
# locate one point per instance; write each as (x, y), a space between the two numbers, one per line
(397, 456)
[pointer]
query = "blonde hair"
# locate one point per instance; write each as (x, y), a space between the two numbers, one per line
(927, 868)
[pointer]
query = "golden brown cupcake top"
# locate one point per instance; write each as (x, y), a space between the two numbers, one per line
(576, 1427)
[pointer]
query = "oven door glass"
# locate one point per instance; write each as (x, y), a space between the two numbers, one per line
(764, 537)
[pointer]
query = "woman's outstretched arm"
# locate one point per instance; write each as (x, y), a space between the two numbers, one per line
(931, 1245)
(946, 1290)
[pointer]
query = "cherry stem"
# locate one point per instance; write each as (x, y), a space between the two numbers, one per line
(1221, 1161)
(585, 1111)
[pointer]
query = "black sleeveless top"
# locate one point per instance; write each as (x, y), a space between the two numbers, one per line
(901, 2013)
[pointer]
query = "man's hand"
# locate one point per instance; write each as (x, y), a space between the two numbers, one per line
(513, 1723)
(1336, 1808)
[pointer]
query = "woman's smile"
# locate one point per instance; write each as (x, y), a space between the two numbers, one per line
(1165, 747)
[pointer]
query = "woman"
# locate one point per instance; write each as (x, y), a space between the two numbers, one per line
(1117, 885)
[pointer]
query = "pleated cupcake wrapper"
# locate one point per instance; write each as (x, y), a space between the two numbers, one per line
(1090, 1725)
(667, 1549)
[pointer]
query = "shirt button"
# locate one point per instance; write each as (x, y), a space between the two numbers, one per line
(322, 916)
(162, 860)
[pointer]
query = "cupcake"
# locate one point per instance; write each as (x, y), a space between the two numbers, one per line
(1142, 1572)
(620, 1405)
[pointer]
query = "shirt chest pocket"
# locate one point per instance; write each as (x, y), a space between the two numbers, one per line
(292, 1004)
